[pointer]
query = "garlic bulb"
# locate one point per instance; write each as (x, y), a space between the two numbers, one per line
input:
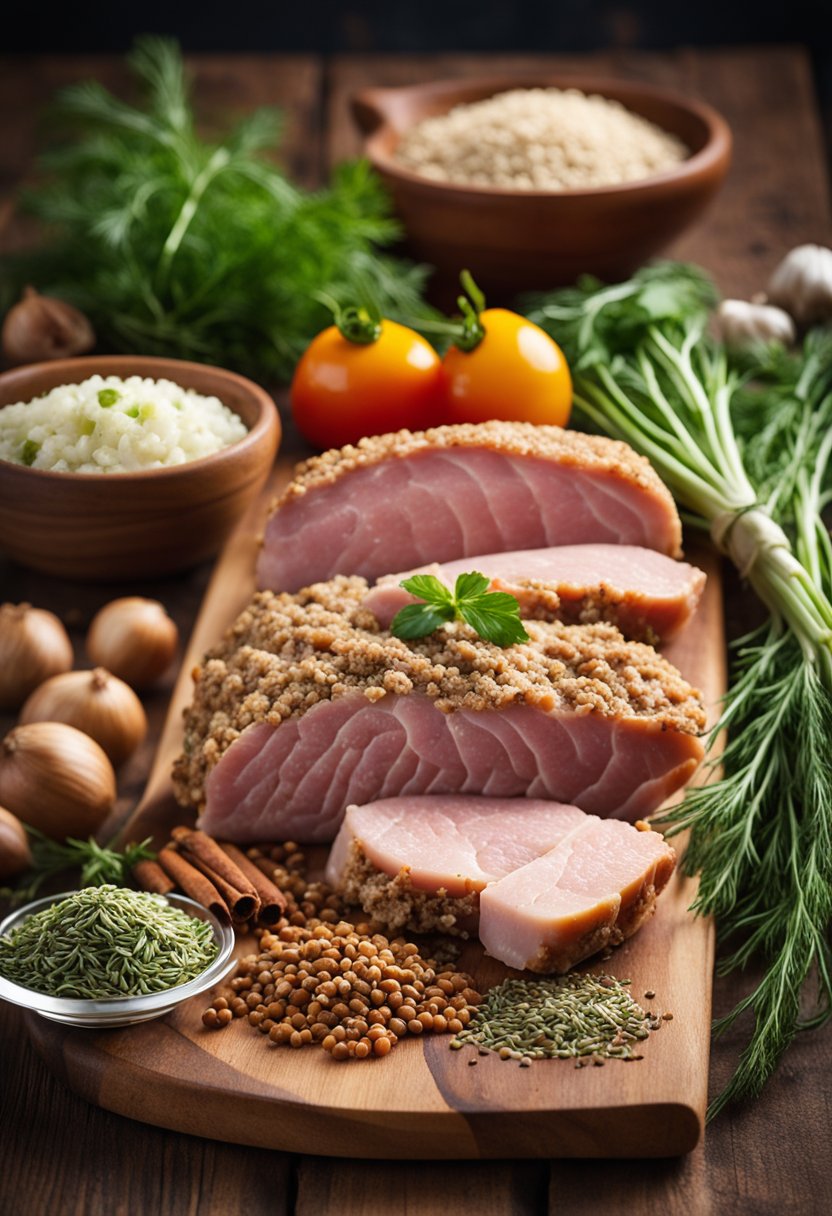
(134, 638)
(15, 854)
(739, 324)
(99, 704)
(41, 327)
(802, 284)
(33, 646)
(56, 779)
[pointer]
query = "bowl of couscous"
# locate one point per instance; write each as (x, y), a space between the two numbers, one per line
(529, 184)
(121, 467)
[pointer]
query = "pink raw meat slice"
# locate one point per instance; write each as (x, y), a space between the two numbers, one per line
(294, 781)
(593, 889)
(642, 591)
(457, 843)
(398, 501)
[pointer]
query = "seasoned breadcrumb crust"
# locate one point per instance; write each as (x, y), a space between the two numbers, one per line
(394, 902)
(285, 653)
(590, 453)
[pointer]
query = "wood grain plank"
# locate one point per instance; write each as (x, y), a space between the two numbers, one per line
(765, 94)
(370, 1188)
(67, 1158)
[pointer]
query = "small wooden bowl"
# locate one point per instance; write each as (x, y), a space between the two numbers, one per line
(121, 526)
(517, 240)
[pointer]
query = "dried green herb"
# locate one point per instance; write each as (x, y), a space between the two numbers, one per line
(107, 942)
(573, 1016)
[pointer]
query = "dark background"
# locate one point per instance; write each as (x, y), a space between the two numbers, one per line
(335, 26)
(419, 25)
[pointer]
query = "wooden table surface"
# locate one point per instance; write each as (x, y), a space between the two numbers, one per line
(59, 1156)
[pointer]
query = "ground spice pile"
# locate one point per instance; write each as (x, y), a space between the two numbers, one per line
(318, 978)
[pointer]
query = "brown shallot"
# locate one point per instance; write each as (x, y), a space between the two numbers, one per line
(96, 702)
(33, 646)
(56, 779)
(42, 327)
(134, 638)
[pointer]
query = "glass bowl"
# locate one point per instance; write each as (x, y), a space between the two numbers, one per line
(119, 1010)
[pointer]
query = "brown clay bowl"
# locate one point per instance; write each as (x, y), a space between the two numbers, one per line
(119, 526)
(517, 240)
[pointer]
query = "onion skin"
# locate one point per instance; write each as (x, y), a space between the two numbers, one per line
(15, 854)
(56, 779)
(95, 702)
(33, 646)
(134, 638)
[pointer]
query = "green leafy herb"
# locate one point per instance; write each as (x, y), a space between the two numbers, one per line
(175, 245)
(97, 863)
(745, 447)
(495, 615)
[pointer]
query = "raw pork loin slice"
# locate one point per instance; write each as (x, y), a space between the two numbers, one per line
(304, 709)
(647, 595)
(545, 884)
(402, 500)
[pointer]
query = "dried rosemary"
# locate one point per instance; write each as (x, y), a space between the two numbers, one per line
(107, 942)
(570, 1017)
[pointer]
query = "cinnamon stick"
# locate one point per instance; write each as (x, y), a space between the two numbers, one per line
(193, 883)
(272, 899)
(241, 904)
(151, 877)
(239, 893)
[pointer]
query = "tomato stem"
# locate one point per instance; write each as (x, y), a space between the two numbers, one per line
(471, 303)
(358, 323)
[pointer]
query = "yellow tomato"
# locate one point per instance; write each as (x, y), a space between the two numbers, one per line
(516, 373)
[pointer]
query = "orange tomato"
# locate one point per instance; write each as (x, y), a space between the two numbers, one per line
(344, 390)
(516, 373)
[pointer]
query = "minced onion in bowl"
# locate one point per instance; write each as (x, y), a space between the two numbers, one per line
(107, 424)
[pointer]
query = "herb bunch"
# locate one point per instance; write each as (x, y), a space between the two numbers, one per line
(173, 245)
(745, 447)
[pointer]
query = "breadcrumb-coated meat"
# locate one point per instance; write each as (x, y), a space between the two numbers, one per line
(286, 653)
(588, 452)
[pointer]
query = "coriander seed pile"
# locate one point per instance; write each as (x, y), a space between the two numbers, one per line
(318, 978)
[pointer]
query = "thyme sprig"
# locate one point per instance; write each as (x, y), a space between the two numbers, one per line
(745, 447)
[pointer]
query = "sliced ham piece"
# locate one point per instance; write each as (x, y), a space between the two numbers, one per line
(593, 889)
(544, 884)
(458, 843)
(648, 595)
(301, 712)
(398, 501)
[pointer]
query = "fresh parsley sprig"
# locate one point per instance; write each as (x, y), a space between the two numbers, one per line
(495, 615)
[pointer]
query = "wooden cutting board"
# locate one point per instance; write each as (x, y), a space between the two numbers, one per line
(422, 1100)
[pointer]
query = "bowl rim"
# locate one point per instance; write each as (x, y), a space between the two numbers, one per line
(267, 421)
(714, 152)
(117, 1006)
